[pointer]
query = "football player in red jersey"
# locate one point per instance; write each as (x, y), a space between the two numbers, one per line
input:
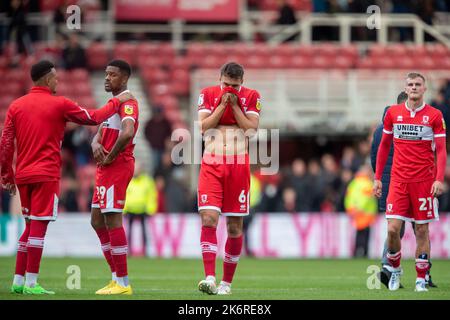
(37, 121)
(113, 148)
(227, 114)
(418, 132)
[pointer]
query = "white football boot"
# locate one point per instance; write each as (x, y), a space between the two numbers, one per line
(394, 282)
(224, 288)
(208, 285)
(420, 285)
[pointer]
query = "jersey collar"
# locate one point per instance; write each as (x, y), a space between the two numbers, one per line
(413, 112)
(239, 90)
(124, 91)
(40, 89)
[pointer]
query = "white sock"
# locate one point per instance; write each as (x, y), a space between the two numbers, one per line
(224, 283)
(114, 277)
(19, 280)
(122, 281)
(211, 278)
(30, 279)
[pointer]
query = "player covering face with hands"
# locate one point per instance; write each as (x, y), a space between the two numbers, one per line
(224, 180)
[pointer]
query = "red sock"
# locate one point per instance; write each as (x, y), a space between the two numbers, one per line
(21, 258)
(103, 235)
(422, 266)
(35, 244)
(233, 249)
(394, 259)
(208, 243)
(119, 250)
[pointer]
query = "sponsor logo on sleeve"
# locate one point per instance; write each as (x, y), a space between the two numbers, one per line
(201, 99)
(128, 109)
(443, 124)
(258, 104)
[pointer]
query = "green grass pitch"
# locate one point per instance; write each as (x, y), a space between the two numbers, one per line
(256, 279)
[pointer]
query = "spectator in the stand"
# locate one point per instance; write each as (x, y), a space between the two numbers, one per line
(299, 182)
(361, 206)
(349, 160)
(346, 177)
(439, 102)
(157, 131)
(68, 200)
(74, 55)
(286, 13)
(141, 202)
(176, 193)
(81, 140)
(315, 185)
(288, 201)
(403, 6)
(18, 28)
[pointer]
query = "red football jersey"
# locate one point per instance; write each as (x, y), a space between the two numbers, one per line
(414, 133)
(209, 100)
(37, 121)
(112, 126)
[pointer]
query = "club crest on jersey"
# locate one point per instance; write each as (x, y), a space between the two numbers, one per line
(204, 198)
(128, 109)
(399, 118)
(201, 99)
(243, 101)
(389, 207)
(425, 119)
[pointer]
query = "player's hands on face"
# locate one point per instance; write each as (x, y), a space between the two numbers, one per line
(233, 99)
(99, 152)
(125, 97)
(225, 99)
(10, 187)
(377, 187)
(437, 188)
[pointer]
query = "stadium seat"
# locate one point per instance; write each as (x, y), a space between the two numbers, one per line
(166, 101)
(405, 62)
(300, 61)
(125, 51)
(97, 55)
(79, 75)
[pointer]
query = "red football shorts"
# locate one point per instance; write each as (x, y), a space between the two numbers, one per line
(111, 184)
(224, 184)
(412, 202)
(39, 200)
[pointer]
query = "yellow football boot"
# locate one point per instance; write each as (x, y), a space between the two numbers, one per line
(105, 290)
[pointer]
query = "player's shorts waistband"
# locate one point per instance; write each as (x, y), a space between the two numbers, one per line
(209, 158)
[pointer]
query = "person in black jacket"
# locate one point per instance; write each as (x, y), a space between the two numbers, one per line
(385, 273)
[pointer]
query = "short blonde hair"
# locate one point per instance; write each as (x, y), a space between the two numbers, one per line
(413, 75)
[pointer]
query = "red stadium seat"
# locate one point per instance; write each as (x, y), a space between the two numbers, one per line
(97, 55)
(322, 62)
(343, 62)
(160, 89)
(326, 50)
(257, 62)
(365, 63)
(277, 61)
(125, 51)
(64, 89)
(156, 75)
(300, 62)
(82, 88)
(384, 63)
(79, 75)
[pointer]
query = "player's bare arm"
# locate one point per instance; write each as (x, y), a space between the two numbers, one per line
(98, 150)
(209, 121)
(125, 136)
(244, 122)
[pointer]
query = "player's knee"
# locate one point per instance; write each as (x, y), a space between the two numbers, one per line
(209, 220)
(393, 232)
(234, 230)
(421, 231)
(96, 224)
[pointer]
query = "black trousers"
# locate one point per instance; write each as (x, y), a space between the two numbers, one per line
(362, 243)
(142, 218)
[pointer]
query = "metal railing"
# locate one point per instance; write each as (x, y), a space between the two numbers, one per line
(249, 25)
